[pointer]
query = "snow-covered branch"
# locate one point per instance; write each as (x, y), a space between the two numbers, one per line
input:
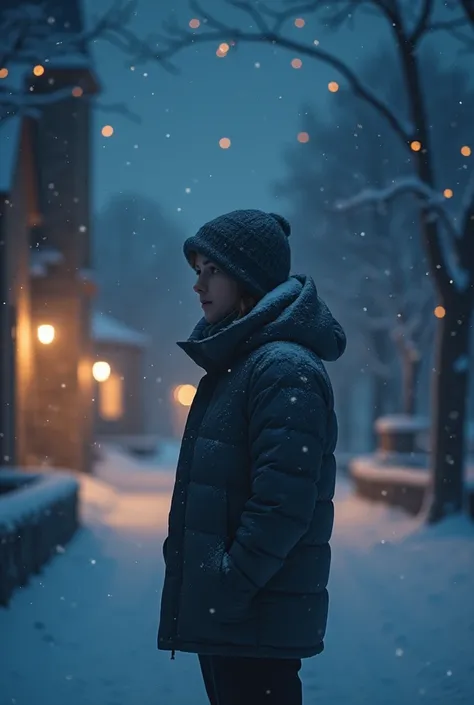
(431, 201)
(432, 204)
(397, 188)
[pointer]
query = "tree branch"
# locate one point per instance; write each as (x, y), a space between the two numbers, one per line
(118, 109)
(141, 50)
(19, 101)
(422, 24)
(432, 200)
(466, 246)
(432, 205)
(447, 25)
(26, 37)
(280, 17)
(468, 7)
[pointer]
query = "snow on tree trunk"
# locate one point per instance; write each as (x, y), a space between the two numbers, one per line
(451, 378)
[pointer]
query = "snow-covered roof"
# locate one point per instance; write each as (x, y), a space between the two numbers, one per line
(106, 329)
(10, 131)
(41, 258)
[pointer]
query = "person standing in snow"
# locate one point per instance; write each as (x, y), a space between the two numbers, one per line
(247, 553)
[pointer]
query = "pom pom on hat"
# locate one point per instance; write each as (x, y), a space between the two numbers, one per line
(284, 224)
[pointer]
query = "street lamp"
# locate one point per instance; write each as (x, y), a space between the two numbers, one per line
(184, 394)
(46, 333)
(101, 371)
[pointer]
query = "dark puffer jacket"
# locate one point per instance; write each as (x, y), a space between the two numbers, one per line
(247, 554)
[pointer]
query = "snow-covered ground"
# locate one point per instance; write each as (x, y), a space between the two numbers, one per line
(401, 626)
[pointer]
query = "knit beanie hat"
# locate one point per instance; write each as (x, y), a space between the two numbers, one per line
(249, 245)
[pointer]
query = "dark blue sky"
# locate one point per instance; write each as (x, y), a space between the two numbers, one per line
(176, 146)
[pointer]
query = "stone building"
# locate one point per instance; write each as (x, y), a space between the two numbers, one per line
(46, 351)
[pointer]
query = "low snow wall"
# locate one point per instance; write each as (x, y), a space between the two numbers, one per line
(398, 485)
(38, 515)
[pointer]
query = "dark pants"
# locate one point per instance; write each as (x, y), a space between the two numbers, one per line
(251, 681)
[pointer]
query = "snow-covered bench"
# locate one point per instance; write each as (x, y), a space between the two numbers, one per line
(397, 473)
(38, 513)
(380, 478)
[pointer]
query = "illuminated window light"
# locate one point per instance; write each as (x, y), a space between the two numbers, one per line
(111, 398)
(46, 333)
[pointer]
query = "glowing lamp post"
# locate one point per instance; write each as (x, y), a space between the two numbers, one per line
(46, 334)
(101, 371)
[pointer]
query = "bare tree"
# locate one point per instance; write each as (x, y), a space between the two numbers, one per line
(449, 244)
(29, 37)
(386, 297)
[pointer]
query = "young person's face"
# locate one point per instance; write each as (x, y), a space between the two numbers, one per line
(218, 293)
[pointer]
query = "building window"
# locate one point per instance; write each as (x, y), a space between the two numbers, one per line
(111, 398)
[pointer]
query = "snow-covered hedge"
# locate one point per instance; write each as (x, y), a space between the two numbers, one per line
(38, 513)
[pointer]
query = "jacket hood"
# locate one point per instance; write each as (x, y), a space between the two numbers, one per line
(291, 312)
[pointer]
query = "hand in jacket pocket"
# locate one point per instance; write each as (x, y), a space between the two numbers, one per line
(237, 593)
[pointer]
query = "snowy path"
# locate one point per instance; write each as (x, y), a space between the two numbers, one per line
(401, 627)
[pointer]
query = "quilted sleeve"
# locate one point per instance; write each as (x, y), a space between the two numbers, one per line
(288, 418)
